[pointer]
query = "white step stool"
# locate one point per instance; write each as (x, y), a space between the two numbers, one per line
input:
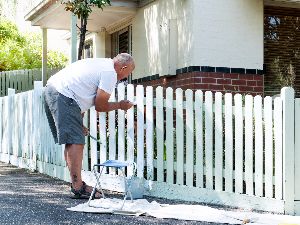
(120, 165)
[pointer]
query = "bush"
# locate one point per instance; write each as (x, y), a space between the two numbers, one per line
(24, 51)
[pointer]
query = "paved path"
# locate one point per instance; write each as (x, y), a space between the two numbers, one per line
(34, 198)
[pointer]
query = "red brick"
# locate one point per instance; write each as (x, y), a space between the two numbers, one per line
(198, 80)
(260, 83)
(216, 75)
(257, 77)
(245, 88)
(201, 86)
(251, 83)
(231, 75)
(230, 88)
(216, 87)
(209, 80)
(258, 89)
(239, 82)
(223, 81)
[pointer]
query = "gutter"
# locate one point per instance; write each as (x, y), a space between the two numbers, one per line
(39, 9)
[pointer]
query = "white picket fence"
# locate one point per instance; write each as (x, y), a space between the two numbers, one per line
(21, 80)
(222, 149)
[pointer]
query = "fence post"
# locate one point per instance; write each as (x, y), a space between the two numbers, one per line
(10, 119)
(36, 111)
(297, 156)
(288, 96)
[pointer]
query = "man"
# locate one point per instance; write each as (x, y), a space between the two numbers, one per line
(72, 91)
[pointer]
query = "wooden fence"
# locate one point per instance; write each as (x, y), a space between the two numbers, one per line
(21, 80)
(222, 149)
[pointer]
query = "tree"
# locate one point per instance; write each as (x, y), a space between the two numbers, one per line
(24, 51)
(82, 9)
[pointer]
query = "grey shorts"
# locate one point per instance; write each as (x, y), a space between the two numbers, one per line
(64, 117)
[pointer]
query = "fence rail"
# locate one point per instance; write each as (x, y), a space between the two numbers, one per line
(222, 149)
(21, 80)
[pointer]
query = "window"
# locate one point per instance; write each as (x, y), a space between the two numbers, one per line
(121, 42)
(88, 49)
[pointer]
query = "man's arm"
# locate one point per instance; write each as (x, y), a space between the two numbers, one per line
(102, 104)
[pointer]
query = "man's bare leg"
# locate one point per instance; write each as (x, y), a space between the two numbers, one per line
(74, 155)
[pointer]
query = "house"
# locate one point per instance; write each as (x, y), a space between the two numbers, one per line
(239, 46)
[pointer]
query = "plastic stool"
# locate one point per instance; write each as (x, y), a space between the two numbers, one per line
(120, 165)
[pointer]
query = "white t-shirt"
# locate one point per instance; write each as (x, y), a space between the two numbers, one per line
(81, 79)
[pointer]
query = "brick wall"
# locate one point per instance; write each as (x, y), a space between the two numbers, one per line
(211, 81)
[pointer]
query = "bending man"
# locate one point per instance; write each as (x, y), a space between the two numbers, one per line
(72, 91)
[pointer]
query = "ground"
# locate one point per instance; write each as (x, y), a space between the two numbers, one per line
(34, 198)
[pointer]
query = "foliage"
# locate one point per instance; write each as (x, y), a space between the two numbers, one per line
(82, 9)
(282, 50)
(24, 51)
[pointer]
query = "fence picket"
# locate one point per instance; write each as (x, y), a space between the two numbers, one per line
(169, 136)
(199, 137)
(239, 157)
(258, 146)
(268, 119)
(249, 144)
(103, 136)
(121, 124)
(179, 137)
(10, 127)
(1, 124)
(140, 130)
(189, 137)
(149, 132)
(278, 126)
(160, 133)
(85, 161)
(130, 127)
(208, 139)
(218, 141)
(228, 143)
(94, 133)
(112, 133)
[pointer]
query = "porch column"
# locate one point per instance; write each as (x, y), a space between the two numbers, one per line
(73, 57)
(100, 44)
(44, 56)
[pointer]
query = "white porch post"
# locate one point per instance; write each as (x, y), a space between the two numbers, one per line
(44, 57)
(73, 38)
(100, 44)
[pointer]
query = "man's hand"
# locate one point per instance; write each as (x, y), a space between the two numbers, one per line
(85, 131)
(125, 104)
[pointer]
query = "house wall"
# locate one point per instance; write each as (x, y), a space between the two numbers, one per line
(150, 36)
(221, 38)
(228, 33)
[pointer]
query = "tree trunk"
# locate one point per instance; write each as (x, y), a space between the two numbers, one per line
(83, 23)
